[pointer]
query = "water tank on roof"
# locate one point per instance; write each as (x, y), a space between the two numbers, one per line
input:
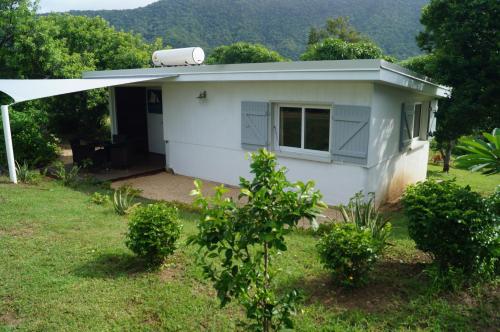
(179, 57)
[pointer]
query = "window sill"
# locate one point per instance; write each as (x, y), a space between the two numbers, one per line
(304, 156)
(417, 144)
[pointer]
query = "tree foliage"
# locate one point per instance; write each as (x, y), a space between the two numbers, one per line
(277, 24)
(336, 28)
(462, 38)
(63, 46)
(243, 53)
(237, 240)
(337, 49)
(481, 155)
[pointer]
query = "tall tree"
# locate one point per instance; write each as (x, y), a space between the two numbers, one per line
(242, 52)
(337, 28)
(63, 46)
(462, 37)
(338, 49)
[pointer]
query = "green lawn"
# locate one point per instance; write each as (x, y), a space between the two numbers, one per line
(64, 267)
(477, 181)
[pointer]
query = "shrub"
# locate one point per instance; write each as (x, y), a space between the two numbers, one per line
(26, 175)
(99, 199)
(33, 144)
(456, 225)
(349, 253)
(123, 199)
(153, 231)
(68, 177)
(362, 212)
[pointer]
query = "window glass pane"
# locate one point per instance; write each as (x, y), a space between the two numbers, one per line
(290, 126)
(416, 121)
(317, 130)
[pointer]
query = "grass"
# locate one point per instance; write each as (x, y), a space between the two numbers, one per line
(477, 181)
(65, 267)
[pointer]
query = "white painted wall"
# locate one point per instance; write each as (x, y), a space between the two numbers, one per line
(390, 171)
(204, 135)
(155, 133)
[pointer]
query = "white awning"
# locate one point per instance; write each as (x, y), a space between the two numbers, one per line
(24, 90)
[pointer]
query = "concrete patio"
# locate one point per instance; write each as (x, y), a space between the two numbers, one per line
(169, 187)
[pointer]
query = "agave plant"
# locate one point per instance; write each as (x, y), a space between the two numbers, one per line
(482, 155)
(362, 212)
(26, 175)
(123, 199)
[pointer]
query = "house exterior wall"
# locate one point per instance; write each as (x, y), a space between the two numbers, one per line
(390, 170)
(203, 135)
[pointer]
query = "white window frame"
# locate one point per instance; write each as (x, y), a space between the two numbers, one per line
(301, 150)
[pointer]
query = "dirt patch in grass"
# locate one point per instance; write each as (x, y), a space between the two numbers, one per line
(173, 268)
(22, 229)
(385, 291)
(8, 317)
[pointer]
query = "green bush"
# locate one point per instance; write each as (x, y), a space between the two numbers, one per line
(33, 144)
(99, 199)
(153, 231)
(349, 253)
(67, 176)
(456, 225)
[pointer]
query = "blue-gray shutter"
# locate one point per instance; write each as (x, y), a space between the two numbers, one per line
(406, 128)
(350, 133)
(255, 120)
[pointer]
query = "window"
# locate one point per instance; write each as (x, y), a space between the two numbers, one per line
(303, 128)
(154, 101)
(416, 120)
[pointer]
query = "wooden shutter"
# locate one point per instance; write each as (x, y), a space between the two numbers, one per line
(406, 128)
(350, 133)
(255, 117)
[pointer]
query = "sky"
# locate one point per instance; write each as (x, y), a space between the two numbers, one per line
(65, 5)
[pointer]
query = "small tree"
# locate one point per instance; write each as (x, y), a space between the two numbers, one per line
(237, 241)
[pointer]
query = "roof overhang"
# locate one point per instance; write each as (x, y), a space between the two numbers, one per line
(338, 70)
(24, 90)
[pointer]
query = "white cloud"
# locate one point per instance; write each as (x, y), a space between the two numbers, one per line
(65, 5)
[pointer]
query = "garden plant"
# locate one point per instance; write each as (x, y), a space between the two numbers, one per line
(237, 240)
(153, 232)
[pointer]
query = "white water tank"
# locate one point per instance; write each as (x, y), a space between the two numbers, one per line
(179, 57)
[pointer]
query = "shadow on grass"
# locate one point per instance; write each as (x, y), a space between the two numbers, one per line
(110, 266)
(392, 284)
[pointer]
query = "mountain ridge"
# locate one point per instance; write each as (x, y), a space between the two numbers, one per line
(280, 25)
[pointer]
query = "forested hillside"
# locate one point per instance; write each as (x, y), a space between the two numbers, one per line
(282, 25)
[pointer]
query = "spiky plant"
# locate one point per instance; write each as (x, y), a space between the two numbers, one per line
(362, 212)
(482, 155)
(123, 199)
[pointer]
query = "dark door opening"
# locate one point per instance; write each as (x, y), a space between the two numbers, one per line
(131, 116)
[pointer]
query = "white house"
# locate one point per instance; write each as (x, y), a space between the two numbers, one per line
(353, 125)
(356, 125)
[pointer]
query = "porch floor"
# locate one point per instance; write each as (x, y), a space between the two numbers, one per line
(151, 164)
(169, 187)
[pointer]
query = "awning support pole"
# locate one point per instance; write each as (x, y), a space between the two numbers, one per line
(8, 143)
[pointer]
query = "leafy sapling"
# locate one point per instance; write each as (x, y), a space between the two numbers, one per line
(237, 240)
